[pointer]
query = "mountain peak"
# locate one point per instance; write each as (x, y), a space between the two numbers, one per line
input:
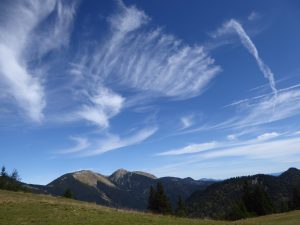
(145, 174)
(290, 171)
(91, 178)
(119, 173)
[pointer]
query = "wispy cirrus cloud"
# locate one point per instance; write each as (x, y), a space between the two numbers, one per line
(233, 25)
(267, 136)
(231, 142)
(251, 151)
(262, 111)
(91, 147)
(56, 34)
(19, 28)
(114, 142)
(101, 107)
(81, 144)
(146, 59)
(257, 111)
(262, 150)
(190, 149)
(254, 16)
(187, 121)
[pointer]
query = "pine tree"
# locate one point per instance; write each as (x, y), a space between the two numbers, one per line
(163, 202)
(295, 203)
(151, 199)
(3, 171)
(262, 202)
(15, 175)
(68, 193)
(158, 202)
(180, 208)
(256, 201)
(238, 211)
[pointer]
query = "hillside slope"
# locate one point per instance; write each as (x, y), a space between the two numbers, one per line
(122, 189)
(25, 208)
(223, 198)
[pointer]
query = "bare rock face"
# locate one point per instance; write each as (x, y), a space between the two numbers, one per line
(118, 175)
(90, 178)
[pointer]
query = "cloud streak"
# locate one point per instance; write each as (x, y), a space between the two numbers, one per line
(252, 152)
(187, 121)
(138, 57)
(114, 142)
(81, 144)
(92, 147)
(259, 110)
(265, 150)
(102, 106)
(267, 136)
(233, 25)
(19, 46)
(190, 149)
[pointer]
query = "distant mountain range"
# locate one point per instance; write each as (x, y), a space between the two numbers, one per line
(204, 197)
(122, 189)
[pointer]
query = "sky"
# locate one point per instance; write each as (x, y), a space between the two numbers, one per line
(201, 89)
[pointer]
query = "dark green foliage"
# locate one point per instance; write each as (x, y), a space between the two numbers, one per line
(180, 208)
(68, 193)
(295, 201)
(3, 172)
(256, 200)
(15, 175)
(11, 182)
(238, 211)
(247, 196)
(158, 202)
(151, 199)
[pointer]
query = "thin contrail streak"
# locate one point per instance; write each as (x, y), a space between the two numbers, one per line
(249, 45)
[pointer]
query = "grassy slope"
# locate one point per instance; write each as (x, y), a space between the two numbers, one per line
(25, 208)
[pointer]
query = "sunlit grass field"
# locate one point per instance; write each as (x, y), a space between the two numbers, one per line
(24, 208)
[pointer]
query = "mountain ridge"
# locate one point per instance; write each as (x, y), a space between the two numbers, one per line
(204, 197)
(221, 199)
(121, 189)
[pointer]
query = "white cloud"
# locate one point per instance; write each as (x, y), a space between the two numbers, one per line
(187, 121)
(128, 19)
(192, 148)
(113, 142)
(19, 26)
(134, 56)
(102, 106)
(212, 146)
(253, 16)
(252, 153)
(260, 110)
(263, 111)
(231, 137)
(81, 144)
(233, 25)
(26, 89)
(267, 136)
(57, 34)
(264, 150)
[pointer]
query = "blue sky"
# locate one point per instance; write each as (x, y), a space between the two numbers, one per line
(198, 88)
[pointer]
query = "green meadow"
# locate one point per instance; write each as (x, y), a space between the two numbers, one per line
(17, 208)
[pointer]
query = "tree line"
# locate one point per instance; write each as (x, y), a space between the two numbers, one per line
(11, 181)
(158, 202)
(255, 201)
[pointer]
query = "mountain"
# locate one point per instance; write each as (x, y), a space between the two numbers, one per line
(222, 199)
(122, 189)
